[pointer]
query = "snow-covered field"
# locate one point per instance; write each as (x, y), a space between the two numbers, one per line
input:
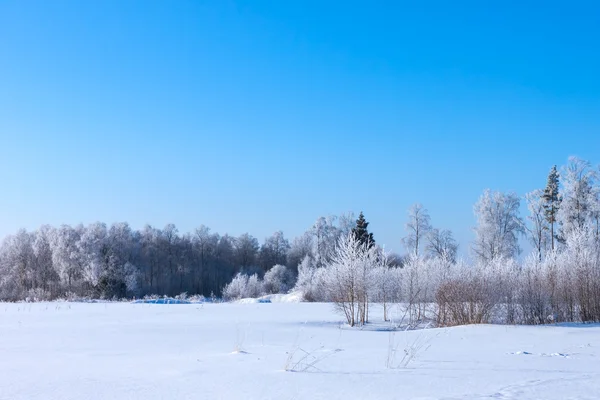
(241, 351)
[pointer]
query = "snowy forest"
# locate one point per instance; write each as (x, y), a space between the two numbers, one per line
(338, 260)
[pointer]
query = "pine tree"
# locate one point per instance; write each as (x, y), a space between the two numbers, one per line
(361, 233)
(552, 201)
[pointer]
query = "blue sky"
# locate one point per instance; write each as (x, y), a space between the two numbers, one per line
(263, 115)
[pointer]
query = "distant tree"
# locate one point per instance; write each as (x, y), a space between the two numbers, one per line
(538, 229)
(93, 249)
(345, 223)
(551, 197)
(150, 257)
(396, 260)
(204, 244)
(441, 244)
(320, 240)
(274, 251)
(361, 233)
(325, 234)
(595, 212)
(16, 266)
(417, 228)
(46, 276)
(170, 240)
(279, 279)
(578, 197)
(224, 255)
(498, 226)
(66, 255)
(300, 247)
(246, 250)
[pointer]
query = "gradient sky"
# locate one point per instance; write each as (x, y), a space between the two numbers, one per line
(255, 116)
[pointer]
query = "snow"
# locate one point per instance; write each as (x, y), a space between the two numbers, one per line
(294, 297)
(232, 351)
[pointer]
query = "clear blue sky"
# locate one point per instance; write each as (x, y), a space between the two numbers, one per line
(263, 115)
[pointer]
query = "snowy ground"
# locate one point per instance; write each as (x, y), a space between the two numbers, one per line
(240, 351)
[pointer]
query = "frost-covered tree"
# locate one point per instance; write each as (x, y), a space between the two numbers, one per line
(386, 284)
(417, 228)
(552, 200)
(246, 250)
(320, 240)
(498, 226)
(169, 243)
(300, 247)
(325, 234)
(16, 266)
(595, 212)
(306, 272)
(345, 223)
(46, 277)
(578, 195)
(93, 249)
(204, 246)
(274, 251)
(417, 290)
(348, 277)
(120, 275)
(441, 244)
(279, 279)
(538, 229)
(66, 257)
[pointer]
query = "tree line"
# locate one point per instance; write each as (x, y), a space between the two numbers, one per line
(559, 280)
(117, 261)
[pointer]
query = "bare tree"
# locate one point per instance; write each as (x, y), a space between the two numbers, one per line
(441, 244)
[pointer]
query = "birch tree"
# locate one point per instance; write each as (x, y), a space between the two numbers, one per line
(498, 226)
(578, 195)
(417, 228)
(538, 230)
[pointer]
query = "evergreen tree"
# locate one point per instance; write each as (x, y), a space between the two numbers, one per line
(361, 233)
(552, 201)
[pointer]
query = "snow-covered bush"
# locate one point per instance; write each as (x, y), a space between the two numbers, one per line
(308, 282)
(243, 286)
(278, 279)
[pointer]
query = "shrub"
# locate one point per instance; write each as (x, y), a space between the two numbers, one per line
(278, 279)
(243, 286)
